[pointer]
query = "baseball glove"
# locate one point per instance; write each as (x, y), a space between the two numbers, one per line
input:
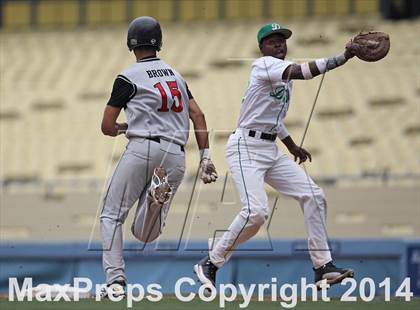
(369, 46)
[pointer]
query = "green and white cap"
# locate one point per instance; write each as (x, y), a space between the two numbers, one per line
(271, 28)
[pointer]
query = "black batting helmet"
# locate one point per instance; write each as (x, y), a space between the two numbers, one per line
(144, 31)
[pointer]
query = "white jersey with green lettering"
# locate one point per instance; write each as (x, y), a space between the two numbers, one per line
(267, 97)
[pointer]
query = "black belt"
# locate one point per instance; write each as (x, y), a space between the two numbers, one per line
(157, 139)
(263, 136)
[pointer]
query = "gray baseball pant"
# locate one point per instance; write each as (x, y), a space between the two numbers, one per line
(130, 182)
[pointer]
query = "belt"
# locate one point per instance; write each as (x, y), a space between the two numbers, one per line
(263, 135)
(157, 139)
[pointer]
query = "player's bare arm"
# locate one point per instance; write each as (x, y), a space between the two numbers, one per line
(297, 151)
(207, 170)
(311, 69)
(199, 122)
(275, 45)
(123, 91)
(109, 126)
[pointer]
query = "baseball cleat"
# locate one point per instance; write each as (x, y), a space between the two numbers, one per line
(160, 190)
(332, 274)
(117, 289)
(206, 273)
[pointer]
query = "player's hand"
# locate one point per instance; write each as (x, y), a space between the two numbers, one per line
(300, 153)
(208, 172)
(348, 54)
(349, 51)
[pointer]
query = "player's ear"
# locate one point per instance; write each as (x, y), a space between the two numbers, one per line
(260, 46)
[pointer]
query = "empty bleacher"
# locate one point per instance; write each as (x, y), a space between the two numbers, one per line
(366, 127)
(54, 86)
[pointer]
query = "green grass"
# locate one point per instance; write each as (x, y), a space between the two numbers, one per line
(171, 303)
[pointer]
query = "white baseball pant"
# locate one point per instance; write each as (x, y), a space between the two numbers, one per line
(252, 162)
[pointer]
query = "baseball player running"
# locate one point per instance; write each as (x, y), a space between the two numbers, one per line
(158, 106)
(254, 158)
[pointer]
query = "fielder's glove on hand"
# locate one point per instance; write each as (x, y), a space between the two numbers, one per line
(369, 46)
(207, 171)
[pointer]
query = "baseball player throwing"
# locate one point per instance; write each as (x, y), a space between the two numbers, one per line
(158, 106)
(254, 158)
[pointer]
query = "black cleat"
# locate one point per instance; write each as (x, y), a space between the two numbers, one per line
(206, 272)
(331, 274)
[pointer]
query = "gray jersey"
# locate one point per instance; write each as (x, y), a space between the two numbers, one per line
(160, 106)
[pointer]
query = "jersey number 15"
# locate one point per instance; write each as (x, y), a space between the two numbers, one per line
(176, 94)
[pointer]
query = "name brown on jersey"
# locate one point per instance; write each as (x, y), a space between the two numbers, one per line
(159, 73)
